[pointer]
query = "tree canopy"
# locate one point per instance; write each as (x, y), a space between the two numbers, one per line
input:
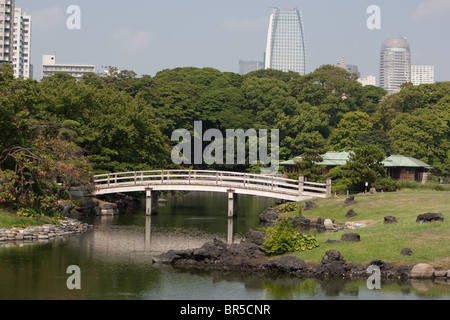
(120, 121)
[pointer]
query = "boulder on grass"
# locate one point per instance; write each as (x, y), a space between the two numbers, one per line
(390, 219)
(350, 237)
(429, 217)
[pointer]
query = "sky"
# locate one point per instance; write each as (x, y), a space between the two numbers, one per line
(148, 36)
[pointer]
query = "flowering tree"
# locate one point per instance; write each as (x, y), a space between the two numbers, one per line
(44, 173)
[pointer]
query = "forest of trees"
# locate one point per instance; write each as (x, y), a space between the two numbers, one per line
(57, 132)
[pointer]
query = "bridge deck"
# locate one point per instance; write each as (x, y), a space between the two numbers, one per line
(211, 181)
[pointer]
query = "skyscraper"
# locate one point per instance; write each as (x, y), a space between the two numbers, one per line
(6, 30)
(395, 64)
(286, 41)
(22, 45)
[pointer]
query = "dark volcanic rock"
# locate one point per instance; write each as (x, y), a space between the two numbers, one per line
(350, 237)
(269, 215)
(406, 252)
(308, 205)
(286, 265)
(429, 217)
(210, 250)
(390, 219)
(256, 237)
(349, 201)
(332, 265)
(351, 213)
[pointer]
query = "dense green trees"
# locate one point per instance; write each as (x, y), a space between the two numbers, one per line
(121, 121)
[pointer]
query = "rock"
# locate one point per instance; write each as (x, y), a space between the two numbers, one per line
(440, 273)
(166, 258)
(350, 237)
(406, 252)
(390, 219)
(246, 250)
(308, 205)
(349, 201)
(422, 271)
(329, 225)
(329, 241)
(210, 250)
(64, 207)
(269, 215)
(287, 264)
(351, 213)
(429, 217)
(256, 237)
(383, 265)
(373, 191)
(332, 265)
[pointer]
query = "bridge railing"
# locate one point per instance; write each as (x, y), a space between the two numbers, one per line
(218, 178)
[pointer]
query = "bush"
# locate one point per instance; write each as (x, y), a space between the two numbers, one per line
(283, 237)
(385, 184)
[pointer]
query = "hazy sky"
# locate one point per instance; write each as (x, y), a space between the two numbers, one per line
(152, 35)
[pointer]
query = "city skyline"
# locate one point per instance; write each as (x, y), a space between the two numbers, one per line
(157, 35)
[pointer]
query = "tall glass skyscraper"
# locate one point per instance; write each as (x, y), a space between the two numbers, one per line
(286, 41)
(395, 64)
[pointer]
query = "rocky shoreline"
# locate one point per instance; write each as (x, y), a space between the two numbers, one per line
(247, 256)
(44, 233)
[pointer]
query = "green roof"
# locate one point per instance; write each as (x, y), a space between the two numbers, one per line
(404, 161)
(331, 158)
(336, 158)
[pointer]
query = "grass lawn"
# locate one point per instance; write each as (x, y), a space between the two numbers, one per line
(10, 220)
(429, 242)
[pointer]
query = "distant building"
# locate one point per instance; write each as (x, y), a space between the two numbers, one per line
(49, 68)
(285, 49)
(6, 30)
(249, 66)
(422, 74)
(349, 67)
(368, 81)
(398, 167)
(395, 64)
(22, 45)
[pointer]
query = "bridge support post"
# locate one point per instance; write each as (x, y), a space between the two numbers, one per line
(232, 204)
(151, 202)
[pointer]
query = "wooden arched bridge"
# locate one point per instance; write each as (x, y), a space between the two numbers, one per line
(232, 183)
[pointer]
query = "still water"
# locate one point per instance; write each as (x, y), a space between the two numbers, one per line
(115, 261)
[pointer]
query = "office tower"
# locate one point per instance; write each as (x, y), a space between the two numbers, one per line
(395, 64)
(49, 68)
(22, 45)
(286, 41)
(249, 66)
(422, 75)
(6, 30)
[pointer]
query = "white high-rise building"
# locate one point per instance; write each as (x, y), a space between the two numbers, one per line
(368, 81)
(22, 45)
(422, 74)
(6, 30)
(286, 41)
(395, 64)
(49, 68)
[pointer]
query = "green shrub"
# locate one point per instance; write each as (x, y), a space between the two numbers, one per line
(283, 237)
(385, 184)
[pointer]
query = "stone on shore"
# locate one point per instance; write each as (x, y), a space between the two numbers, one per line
(422, 271)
